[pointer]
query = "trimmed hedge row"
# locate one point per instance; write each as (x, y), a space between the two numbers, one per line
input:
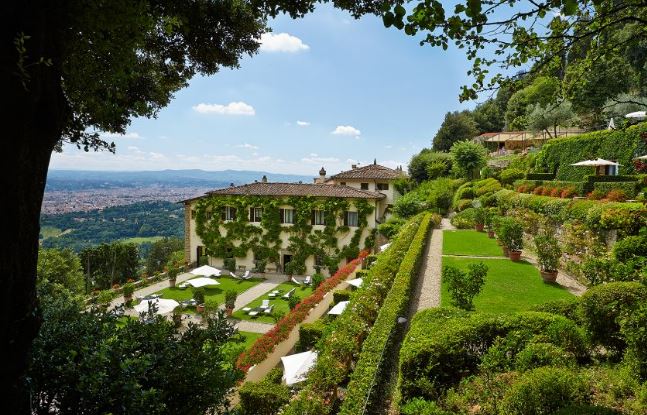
(369, 363)
(625, 217)
(630, 189)
(339, 348)
(579, 187)
(540, 176)
(620, 145)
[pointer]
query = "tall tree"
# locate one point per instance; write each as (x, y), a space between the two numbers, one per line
(160, 253)
(457, 126)
(71, 69)
(61, 266)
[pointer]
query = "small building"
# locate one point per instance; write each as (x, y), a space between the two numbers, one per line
(294, 228)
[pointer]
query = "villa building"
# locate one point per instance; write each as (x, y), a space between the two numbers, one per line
(295, 228)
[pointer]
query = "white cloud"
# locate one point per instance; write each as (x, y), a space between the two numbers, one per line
(303, 123)
(347, 130)
(133, 148)
(233, 108)
(282, 42)
(112, 136)
(248, 146)
(315, 159)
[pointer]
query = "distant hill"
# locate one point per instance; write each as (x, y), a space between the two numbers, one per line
(88, 179)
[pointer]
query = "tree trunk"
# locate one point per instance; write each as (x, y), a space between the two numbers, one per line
(33, 107)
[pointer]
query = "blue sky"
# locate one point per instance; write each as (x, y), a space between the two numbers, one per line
(326, 90)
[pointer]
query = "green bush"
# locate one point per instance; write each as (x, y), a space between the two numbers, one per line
(544, 391)
(341, 295)
(508, 176)
(465, 219)
(463, 204)
(548, 252)
(469, 158)
(391, 227)
(586, 410)
(464, 286)
(465, 191)
(510, 233)
(317, 279)
(600, 270)
(537, 355)
(229, 264)
(418, 406)
(540, 176)
(629, 189)
(198, 295)
(634, 331)
(630, 247)
(230, 298)
(486, 186)
(309, 335)
(293, 301)
(602, 306)
(263, 398)
(369, 364)
(565, 307)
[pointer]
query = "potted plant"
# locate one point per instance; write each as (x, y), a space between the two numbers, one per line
(502, 226)
(479, 219)
(198, 296)
(177, 317)
(104, 299)
(548, 253)
(172, 276)
(514, 242)
(128, 291)
(230, 301)
(490, 217)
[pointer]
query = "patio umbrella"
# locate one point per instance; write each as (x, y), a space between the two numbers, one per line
(357, 282)
(164, 306)
(202, 282)
(383, 247)
(637, 114)
(296, 366)
(641, 157)
(338, 308)
(206, 271)
(596, 163)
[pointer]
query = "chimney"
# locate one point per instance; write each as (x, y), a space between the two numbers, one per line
(264, 179)
(353, 166)
(374, 161)
(231, 184)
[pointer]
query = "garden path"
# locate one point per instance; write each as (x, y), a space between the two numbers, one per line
(427, 291)
(253, 326)
(271, 282)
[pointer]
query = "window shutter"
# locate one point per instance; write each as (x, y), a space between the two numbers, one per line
(282, 215)
(346, 218)
(223, 213)
(312, 218)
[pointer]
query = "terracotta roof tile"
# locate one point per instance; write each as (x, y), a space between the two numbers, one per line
(371, 171)
(295, 189)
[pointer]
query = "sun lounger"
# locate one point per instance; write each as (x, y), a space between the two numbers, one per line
(247, 275)
(265, 305)
(297, 282)
(234, 275)
(269, 309)
(253, 313)
(289, 294)
(308, 280)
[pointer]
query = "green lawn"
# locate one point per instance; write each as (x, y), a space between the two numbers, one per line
(509, 286)
(280, 305)
(216, 293)
(469, 242)
(249, 337)
(141, 239)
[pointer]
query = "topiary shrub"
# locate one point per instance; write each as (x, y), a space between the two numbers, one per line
(630, 247)
(341, 295)
(293, 301)
(602, 306)
(509, 176)
(229, 264)
(263, 398)
(317, 279)
(198, 295)
(465, 219)
(463, 204)
(537, 355)
(543, 391)
(309, 335)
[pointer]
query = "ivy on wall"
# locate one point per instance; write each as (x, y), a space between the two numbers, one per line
(235, 238)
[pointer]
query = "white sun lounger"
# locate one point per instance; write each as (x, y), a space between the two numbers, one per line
(308, 280)
(289, 294)
(265, 305)
(268, 310)
(247, 275)
(297, 282)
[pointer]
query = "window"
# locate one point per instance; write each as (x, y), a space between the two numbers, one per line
(382, 186)
(255, 214)
(318, 217)
(343, 183)
(364, 186)
(286, 215)
(351, 219)
(319, 261)
(228, 213)
(208, 215)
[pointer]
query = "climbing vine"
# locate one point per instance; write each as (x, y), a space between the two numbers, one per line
(236, 237)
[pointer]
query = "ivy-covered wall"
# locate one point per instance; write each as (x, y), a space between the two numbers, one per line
(623, 146)
(236, 238)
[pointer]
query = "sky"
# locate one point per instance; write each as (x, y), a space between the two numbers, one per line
(324, 91)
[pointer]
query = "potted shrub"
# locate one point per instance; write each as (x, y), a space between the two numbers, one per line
(479, 218)
(198, 296)
(548, 253)
(514, 239)
(230, 301)
(177, 317)
(172, 276)
(490, 216)
(128, 291)
(502, 233)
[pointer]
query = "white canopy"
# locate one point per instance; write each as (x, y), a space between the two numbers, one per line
(357, 282)
(206, 271)
(164, 306)
(637, 114)
(642, 157)
(339, 308)
(383, 247)
(296, 366)
(596, 162)
(202, 282)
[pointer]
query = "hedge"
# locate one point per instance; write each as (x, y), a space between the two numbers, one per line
(343, 341)
(263, 398)
(540, 176)
(597, 215)
(579, 187)
(309, 335)
(630, 189)
(620, 145)
(442, 349)
(369, 364)
(341, 295)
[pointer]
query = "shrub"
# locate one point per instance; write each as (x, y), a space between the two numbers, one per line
(617, 191)
(600, 270)
(409, 205)
(211, 305)
(263, 398)
(230, 298)
(544, 391)
(596, 195)
(465, 219)
(568, 192)
(511, 233)
(317, 279)
(548, 252)
(633, 329)
(616, 195)
(537, 355)
(508, 176)
(341, 295)
(539, 190)
(293, 301)
(198, 295)
(129, 289)
(465, 191)
(418, 406)
(630, 247)
(464, 286)
(261, 264)
(480, 216)
(309, 335)
(602, 306)
(105, 297)
(586, 410)
(229, 264)
(391, 227)
(469, 157)
(463, 204)
(564, 307)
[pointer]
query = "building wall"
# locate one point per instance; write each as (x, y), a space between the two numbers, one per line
(391, 195)
(192, 241)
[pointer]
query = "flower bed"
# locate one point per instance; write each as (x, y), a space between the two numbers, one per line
(396, 302)
(265, 344)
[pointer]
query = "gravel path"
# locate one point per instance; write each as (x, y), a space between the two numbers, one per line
(254, 326)
(427, 292)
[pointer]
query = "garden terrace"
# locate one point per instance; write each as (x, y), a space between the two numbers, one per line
(280, 306)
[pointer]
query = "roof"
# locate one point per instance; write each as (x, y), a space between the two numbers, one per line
(294, 189)
(370, 171)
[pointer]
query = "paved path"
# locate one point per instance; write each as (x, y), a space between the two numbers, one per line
(254, 326)
(271, 282)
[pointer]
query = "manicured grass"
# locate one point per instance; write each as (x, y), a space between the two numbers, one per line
(469, 242)
(509, 286)
(249, 337)
(280, 305)
(216, 293)
(141, 239)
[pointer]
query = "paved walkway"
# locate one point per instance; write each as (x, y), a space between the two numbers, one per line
(253, 326)
(271, 282)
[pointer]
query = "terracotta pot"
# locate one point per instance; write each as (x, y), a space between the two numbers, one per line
(229, 311)
(128, 298)
(199, 308)
(548, 276)
(171, 283)
(514, 255)
(490, 234)
(478, 227)
(506, 251)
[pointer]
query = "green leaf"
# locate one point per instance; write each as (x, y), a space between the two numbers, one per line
(388, 19)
